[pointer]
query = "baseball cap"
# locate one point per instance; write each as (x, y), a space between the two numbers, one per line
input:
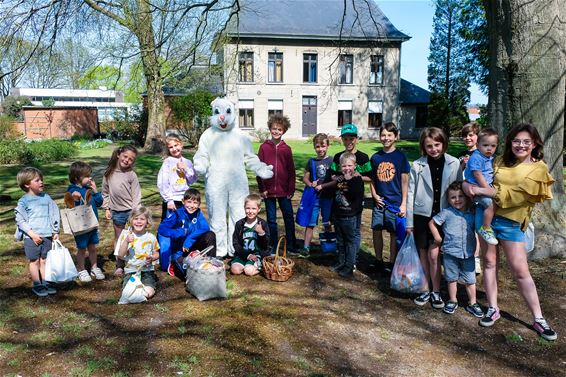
(349, 130)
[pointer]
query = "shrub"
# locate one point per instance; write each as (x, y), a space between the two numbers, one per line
(17, 151)
(8, 129)
(52, 150)
(127, 125)
(13, 106)
(192, 111)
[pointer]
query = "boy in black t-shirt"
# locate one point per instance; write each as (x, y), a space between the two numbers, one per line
(349, 135)
(346, 210)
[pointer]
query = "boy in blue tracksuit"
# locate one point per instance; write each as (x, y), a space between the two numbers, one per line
(189, 230)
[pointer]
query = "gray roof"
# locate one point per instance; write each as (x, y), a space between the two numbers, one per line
(413, 94)
(314, 19)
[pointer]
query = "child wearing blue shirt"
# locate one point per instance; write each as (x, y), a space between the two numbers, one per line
(189, 231)
(37, 221)
(389, 187)
(479, 172)
(459, 243)
(83, 189)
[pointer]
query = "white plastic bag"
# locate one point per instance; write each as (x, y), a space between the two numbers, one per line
(408, 275)
(530, 238)
(134, 290)
(59, 266)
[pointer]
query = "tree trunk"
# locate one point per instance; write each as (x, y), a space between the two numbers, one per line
(527, 84)
(154, 81)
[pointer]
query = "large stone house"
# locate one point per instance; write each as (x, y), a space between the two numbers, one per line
(321, 65)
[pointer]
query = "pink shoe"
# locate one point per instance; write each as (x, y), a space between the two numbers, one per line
(119, 272)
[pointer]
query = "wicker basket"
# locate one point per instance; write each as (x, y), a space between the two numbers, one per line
(278, 268)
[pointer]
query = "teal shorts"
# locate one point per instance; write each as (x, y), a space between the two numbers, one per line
(148, 278)
(238, 260)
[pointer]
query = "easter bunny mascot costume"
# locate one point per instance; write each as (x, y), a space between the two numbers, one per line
(223, 154)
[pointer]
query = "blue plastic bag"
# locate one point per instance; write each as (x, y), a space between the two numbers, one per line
(308, 200)
(306, 206)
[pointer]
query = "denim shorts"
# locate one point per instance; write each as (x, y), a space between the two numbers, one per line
(33, 251)
(382, 218)
(483, 201)
(90, 238)
(322, 206)
(507, 230)
(120, 217)
(458, 269)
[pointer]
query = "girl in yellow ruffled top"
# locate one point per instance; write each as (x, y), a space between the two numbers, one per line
(521, 180)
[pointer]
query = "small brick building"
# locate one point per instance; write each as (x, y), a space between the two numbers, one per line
(58, 122)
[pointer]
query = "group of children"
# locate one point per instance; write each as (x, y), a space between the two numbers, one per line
(426, 196)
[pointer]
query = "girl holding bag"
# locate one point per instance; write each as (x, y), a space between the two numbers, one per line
(83, 189)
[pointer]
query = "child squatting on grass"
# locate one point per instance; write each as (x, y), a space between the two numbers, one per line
(459, 244)
(250, 239)
(138, 248)
(37, 221)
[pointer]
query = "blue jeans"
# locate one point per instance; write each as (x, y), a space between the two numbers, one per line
(346, 229)
(287, 210)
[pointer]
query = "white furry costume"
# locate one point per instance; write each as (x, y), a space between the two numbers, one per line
(223, 154)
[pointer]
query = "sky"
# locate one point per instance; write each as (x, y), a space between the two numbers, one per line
(414, 18)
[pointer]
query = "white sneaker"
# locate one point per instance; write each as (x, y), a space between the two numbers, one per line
(97, 273)
(488, 235)
(84, 277)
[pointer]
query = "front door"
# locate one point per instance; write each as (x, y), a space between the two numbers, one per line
(309, 115)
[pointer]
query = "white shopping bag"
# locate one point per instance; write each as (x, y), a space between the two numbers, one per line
(134, 291)
(59, 266)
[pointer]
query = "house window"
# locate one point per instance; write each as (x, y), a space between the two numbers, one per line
(376, 69)
(275, 67)
(421, 116)
(246, 67)
(309, 67)
(344, 112)
(274, 106)
(246, 119)
(346, 68)
(375, 114)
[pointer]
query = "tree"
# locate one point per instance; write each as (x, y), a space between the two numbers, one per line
(527, 83)
(171, 31)
(475, 37)
(449, 70)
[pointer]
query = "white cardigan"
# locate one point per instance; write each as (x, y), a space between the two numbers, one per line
(420, 195)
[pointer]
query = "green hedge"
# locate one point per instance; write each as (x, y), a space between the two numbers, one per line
(37, 152)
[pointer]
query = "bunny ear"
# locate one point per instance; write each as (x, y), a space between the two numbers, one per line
(88, 196)
(69, 201)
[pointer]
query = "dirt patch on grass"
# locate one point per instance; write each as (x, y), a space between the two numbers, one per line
(316, 324)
